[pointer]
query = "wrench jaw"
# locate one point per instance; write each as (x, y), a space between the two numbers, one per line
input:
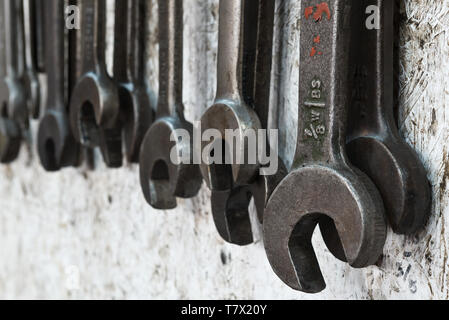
(10, 141)
(162, 179)
(228, 116)
(94, 116)
(289, 224)
(402, 181)
(230, 208)
(138, 105)
(56, 146)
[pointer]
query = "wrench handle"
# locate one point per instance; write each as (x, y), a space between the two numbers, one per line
(93, 34)
(2, 41)
(322, 109)
(55, 54)
(170, 58)
(12, 37)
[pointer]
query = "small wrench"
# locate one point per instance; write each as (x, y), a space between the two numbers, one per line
(230, 208)
(57, 147)
(30, 76)
(13, 109)
(94, 106)
(323, 185)
(163, 178)
(137, 101)
(230, 110)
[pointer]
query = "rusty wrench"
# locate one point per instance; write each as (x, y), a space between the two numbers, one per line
(230, 207)
(137, 101)
(57, 147)
(230, 110)
(13, 109)
(163, 178)
(94, 105)
(323, 185)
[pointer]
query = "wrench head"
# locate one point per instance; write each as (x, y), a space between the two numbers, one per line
(234, 123)
(138, 105)
(309, 196)
(163, 174)
(94, 116)
(10, 140)
(402, 180)
(56, 146)
(230, 208)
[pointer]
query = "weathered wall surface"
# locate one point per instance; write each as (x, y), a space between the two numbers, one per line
(89, 234)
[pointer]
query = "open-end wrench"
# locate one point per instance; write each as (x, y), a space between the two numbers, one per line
(230, 207)
(57, 147)
(30, 76)
(13, 109)
(374, 142)
(37, 36)
(323, 185)
(163, 178)
(230, 110)
(94, 105)
(137, 101)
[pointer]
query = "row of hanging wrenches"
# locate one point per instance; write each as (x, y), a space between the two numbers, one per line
(352, 172)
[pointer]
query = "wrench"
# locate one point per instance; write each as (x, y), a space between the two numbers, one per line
(56, 146)
(137, 101)
(94, 105)
(30, 77)
(230, 110)
(230, 208)
(323, 186)
(162, 178)
(13, 109)
(373, 140)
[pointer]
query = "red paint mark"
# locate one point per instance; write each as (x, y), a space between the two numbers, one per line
(322, 8)
(317, 39)
(313, 52)
(308, 12)
(320, 53)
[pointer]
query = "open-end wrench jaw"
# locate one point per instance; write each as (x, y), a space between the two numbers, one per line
(291, 218)
(163, 175)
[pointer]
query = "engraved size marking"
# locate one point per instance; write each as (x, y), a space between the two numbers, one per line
(315, 127)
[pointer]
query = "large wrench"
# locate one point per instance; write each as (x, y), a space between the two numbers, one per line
(163, 178)
(57, 147)
(230, 110)
(323, 185)
(374, 142)
(137, 101)
(230, 207)
(13, 109)
(94, 105)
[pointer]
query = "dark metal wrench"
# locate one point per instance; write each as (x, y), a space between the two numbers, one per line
(30, 76)
(137, 101)
(57, 147)
(374, 142)
(94, 105)
(163, 178)
(230, 207)
(230, 110)
(323, 187)
(13, 109)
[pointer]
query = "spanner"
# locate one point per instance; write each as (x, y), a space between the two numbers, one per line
(323, 186)
(13, 112)
(230, 208)
(230, 110)
(30, 76)
(374, 142)
(94, 105)
(163, 176)
(57, 147)
(137, 101)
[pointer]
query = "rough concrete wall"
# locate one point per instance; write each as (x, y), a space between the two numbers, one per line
(89, 234)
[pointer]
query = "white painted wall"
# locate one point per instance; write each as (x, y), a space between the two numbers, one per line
(84, 234)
